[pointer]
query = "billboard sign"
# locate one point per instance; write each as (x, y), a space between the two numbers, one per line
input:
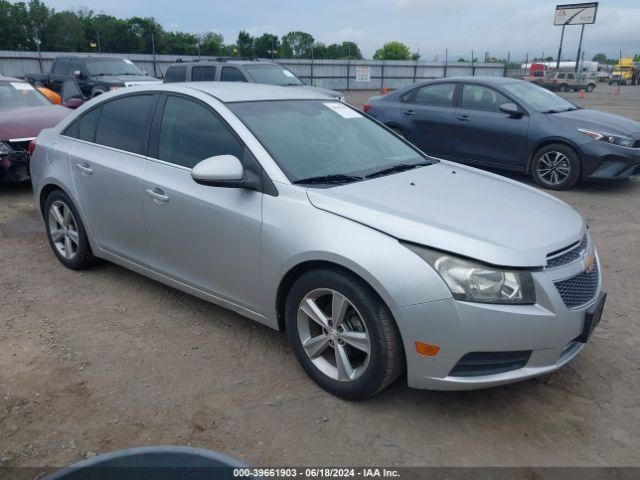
(363, 74)
(576, 14)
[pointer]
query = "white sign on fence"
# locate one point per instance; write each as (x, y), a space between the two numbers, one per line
(576, 14)
(363, 74)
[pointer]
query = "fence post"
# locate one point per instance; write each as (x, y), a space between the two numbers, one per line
(35, 30)
(446, 60)
(415, 71)
(382, 75)
(506, 65)
(473, 67)
(348, 68)
(153, 50)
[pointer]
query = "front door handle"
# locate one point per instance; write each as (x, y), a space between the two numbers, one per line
(464, 118)
(409, 112)
(84, 168)
(157, 195)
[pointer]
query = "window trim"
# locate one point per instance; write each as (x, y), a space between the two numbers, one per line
(154, 103)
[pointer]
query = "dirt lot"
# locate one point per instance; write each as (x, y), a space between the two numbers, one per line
(106, 359)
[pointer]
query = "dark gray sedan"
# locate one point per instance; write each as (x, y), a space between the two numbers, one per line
(514, 125)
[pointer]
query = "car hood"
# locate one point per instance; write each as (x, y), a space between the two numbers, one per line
(27, 122)
(597, 120)
(461, 210)
(128, 80)
(324, 91)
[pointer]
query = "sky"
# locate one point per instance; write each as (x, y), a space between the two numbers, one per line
(428, 26)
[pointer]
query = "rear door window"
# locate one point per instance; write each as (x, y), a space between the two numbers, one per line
(176, 74)
(203, 74)
(439, 95)
(123, 123)
(232, 74)
(190, 132)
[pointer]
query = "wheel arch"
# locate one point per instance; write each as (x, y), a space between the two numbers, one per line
(301, 268)
(45, 191)
(550, 141)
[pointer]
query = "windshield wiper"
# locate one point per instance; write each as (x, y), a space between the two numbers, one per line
(400, 167)
(553, 110)
(328, 179)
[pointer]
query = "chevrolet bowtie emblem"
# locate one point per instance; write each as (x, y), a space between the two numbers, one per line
(589, 262)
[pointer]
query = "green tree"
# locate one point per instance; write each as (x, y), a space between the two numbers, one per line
(298, 44)
(211, 44)
(266, 45)
(393, 51)
(415, 56)
(245, 44)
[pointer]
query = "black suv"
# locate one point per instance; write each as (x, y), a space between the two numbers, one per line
(252, 71)
(95, 75)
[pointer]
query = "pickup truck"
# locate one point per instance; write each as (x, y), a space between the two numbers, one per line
(95, 75)
(565, 81)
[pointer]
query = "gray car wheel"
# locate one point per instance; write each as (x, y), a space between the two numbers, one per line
(556, 167)
(66, 233)
(342, 334)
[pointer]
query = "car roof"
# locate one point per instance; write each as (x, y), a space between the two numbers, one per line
(240, 63)
(479, 79)
(228, 92)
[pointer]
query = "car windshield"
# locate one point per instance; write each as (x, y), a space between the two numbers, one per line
(112, 66)
(19, 95)
(538, 98)
(325, 142)
(273, 75)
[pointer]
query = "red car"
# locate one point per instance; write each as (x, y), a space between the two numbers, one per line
(23, 113)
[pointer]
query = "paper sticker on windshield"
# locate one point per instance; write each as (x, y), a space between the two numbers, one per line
(342, 110)
(22, 86)
(288, 73)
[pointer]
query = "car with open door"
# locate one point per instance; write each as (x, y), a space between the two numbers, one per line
(302, 213)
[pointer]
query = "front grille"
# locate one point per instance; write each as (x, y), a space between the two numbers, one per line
(581, 289)
(569, 254)
(477, 364)
(22, 146)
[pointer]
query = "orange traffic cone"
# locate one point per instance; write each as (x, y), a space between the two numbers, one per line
(385, 90)
(581, 94)
(616, 91)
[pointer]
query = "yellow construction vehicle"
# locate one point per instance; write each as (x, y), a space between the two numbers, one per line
(625, 72)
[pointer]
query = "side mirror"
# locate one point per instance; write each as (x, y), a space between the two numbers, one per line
(73, 103)
(511, 109)
(224, 171)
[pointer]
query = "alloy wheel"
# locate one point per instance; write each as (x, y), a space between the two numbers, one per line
(63, 230)
(553, 168)
(333, 335)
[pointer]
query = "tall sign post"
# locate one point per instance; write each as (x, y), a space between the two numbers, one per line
(574, 14)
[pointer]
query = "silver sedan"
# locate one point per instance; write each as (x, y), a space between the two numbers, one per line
(300, 212)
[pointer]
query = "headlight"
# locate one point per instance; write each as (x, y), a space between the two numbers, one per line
(474, 282)
(620, 140)
(5, 149)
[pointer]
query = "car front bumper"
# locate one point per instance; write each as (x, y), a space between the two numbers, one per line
(14, 167)
(604, 161)
(549, 332)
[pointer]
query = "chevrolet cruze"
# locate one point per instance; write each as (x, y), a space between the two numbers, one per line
(299, 212)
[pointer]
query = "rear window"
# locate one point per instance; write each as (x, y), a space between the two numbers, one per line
(123, 122)
(203, 74)
(232, 74)
(176, 74)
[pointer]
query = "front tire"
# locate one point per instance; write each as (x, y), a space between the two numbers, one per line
(343, 334)
(66, 233)
(556, 167)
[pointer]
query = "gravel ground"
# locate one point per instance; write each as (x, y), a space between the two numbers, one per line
(107, 359)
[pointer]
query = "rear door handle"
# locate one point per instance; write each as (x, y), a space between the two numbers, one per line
(464, 118)
(84, 168)
(409, 112)
(157, 195)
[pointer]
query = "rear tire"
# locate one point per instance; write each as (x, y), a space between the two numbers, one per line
(372, 363)
(556, 167)
(66, 233)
